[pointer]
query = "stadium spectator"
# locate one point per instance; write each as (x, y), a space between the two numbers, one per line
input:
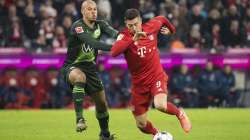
(116, 82)
(12, 12)
(179, 20)
(24, 99)
(216, 36)
(3, 12)
(49, 9)
(119, 88)
(20, 6)
(166, 8)
(195, 37)
(114, 87)
(182, 88)
(213, 27)
(55, 93)
(199, 16)
(235, 36)
(48, 23)
(231, 24)
(2, 35)
(105, 9)
(71, 10)
(12, 28)
(11, 82)
(34, 81)
(30, 23)
(247, 15)
(14, 33)
(248, 33)
(118, 9)
(64, 91)
(47, 30)
(147, 9)
(105, 76)
(39, 44)
(228, 92)
(60, 40)
(66, 23)
(208, 86)
(1, 97)
(196, 17)
(11, 97)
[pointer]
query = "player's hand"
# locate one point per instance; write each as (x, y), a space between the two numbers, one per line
(139, 35)
(165, 31)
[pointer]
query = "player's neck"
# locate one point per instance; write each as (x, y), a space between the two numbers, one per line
(90, 24)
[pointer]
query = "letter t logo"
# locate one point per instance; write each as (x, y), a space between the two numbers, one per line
(141, 51)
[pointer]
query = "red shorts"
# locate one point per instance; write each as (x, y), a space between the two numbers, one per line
(142, 96)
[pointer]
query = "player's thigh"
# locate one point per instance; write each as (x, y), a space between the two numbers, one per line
(141, 120)
(159, 92)
(160, 101)
(100, 100)
(76, 75)
(140, 102)
(94, 86)
(159, 86)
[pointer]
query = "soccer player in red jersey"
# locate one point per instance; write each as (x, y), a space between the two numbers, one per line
(138, 42)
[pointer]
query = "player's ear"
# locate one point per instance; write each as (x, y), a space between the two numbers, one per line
(82, 10)
(125, 22)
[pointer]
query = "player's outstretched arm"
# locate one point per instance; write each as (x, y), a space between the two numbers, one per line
(165, 22)
(120, 45)
(108, 29)
(88, 39)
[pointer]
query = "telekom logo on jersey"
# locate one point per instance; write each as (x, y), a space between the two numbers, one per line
(142, 51)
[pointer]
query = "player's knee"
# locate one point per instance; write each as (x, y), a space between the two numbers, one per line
(80, 78)
(141, 124)
(76, 76)
(161, 106)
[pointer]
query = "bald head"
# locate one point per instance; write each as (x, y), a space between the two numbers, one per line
(86, 3)
(89, 10)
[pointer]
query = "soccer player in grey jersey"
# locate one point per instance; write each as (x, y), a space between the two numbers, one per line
(79, 69)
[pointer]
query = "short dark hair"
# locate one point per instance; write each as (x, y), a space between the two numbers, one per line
(131, 14)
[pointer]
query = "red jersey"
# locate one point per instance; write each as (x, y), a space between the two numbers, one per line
(142, 56)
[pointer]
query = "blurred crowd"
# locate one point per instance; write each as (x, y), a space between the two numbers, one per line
(206, 87)
(41, 25)
(196, 87)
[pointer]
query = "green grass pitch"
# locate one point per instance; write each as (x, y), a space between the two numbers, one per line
(208, 124)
